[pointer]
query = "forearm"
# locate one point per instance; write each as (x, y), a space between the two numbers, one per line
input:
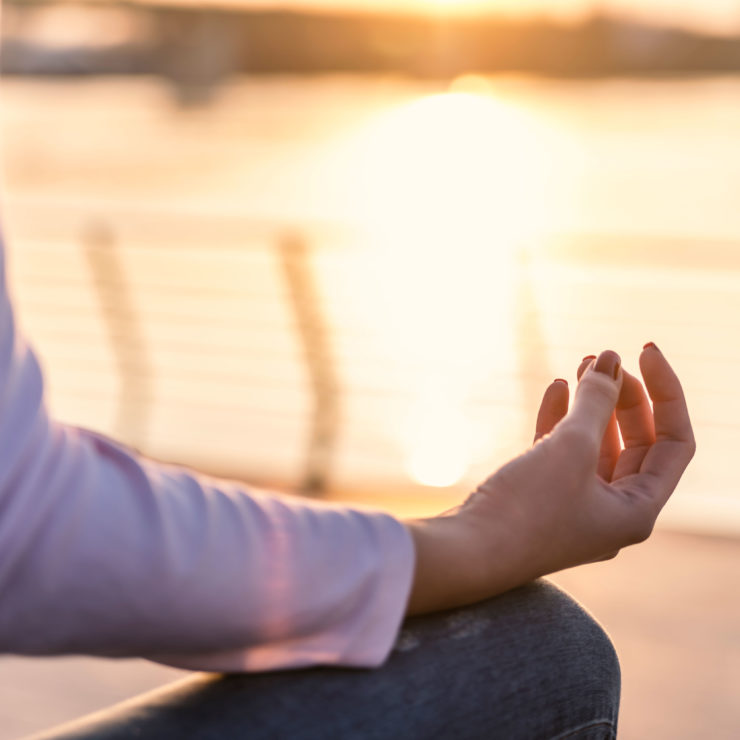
(129, 557)
(104, 552)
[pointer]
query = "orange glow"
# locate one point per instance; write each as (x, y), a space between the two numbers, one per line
(466, 5)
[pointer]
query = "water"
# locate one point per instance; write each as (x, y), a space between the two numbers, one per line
(467, 243)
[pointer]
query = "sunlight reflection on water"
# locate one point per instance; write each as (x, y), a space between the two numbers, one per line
(450, 187)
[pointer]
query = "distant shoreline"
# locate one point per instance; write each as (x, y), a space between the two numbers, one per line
(199, 47)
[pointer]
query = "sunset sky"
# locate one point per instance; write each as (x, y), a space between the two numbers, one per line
(721, 16)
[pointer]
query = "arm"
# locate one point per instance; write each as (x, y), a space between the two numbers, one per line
(106, 553)
(102, 552)
(575, 497)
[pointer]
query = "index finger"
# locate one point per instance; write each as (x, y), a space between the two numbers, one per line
(553, 408)
(674, 437)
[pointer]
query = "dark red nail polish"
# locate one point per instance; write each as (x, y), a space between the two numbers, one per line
(651, 345)
(589, 358)
(560, 380)
(608, 363)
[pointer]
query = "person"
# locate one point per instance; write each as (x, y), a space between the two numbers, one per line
(104, 552)
(107, 553)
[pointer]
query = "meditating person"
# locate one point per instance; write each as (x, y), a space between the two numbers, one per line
(104, 552)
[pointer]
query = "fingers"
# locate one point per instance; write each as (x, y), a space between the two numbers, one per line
(553, 408)
(674, 443)
(596, 398)
(611, 444)
(635, 417)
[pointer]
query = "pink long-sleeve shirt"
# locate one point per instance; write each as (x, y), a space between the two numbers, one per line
(104, 552)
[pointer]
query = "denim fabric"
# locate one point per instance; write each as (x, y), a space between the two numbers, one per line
(529, 664)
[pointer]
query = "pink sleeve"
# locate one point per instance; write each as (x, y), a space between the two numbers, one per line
(106, 553)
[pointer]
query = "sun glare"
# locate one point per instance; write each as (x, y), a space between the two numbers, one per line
(450, 187)
(463, 5)
(438, 444)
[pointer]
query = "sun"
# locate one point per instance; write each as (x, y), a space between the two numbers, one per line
(461, 5)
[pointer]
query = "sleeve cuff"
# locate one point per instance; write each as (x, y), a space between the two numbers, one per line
(364, 639)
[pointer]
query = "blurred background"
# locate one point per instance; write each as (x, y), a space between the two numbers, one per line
(340, 249)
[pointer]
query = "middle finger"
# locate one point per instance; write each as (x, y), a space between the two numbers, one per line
(611, 445)
(635, 417)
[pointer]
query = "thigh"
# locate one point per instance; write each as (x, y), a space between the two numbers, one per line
(528, 664)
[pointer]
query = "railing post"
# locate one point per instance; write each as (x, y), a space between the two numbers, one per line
(531, 343)
(125, 335)
(314, 337)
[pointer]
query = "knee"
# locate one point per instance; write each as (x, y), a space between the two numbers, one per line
(576, 666)
(549, 669)
(574, 632)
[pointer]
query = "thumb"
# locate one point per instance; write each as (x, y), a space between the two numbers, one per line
(596, 396)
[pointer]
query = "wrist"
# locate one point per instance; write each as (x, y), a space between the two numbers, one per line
(453, 564)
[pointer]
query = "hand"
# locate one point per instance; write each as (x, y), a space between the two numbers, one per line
(576, 496)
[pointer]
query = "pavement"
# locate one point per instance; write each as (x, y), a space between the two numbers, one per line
(672, 608)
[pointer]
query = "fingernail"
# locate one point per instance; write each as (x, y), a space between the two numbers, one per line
(560, 380)
(651, 345)
(589, 358)
(608, 363)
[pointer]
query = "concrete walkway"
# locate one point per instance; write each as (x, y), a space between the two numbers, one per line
(672, 608)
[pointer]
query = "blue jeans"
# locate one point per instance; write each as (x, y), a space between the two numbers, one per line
(529, 664)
